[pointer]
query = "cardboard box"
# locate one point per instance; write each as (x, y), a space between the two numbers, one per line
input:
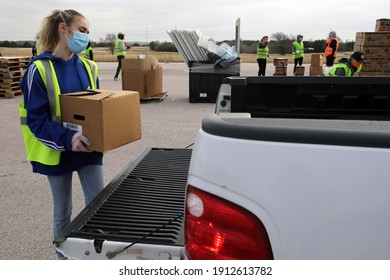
(382, 24)
(108, 118)
(281, 70)
(315, 71)
(373, 39)
(280, 62)
(143, 75)
(317, 60)
(299, 71)
(374, 52)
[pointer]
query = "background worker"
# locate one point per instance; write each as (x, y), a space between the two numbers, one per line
(262, 55)
(332, 46)
(348, 67)
(34, 49)
(53, 150)
(88, 53)
(120, 52)
(298, 51)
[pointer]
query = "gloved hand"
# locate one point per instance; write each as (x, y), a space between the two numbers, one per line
(297, 51)
(311, 49)
(80, 142)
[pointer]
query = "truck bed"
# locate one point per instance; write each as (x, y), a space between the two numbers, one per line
(143, 204)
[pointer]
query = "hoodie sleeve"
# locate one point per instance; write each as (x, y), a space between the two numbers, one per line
(50, 133)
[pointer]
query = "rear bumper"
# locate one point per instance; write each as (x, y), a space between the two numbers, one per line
(86, 249)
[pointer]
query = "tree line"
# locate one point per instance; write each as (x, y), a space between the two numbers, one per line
(280, 43)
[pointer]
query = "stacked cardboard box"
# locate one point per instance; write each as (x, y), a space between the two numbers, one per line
(376, 47)
(11, 72)
(142, 74)
(299, 71)
(316, 65)
(280, 66)
(382, 24)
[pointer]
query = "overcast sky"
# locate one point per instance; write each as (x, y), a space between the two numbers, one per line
(151, 19)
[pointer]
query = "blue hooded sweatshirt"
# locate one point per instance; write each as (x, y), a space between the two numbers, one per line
(72, 77)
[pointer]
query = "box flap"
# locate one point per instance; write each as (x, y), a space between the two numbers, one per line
(91, 94)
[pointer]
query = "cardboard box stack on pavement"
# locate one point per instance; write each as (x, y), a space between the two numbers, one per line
(316, 65)
(108, 118)
(280, 66)
(376, 48)
(299, 71)
(142, 74)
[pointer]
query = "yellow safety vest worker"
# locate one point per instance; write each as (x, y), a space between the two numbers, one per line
(118, 49)
(348, 70)
(36, 150)
(86, 53)
(298, 47)
(262, 53)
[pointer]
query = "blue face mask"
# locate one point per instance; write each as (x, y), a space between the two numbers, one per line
(79, 42)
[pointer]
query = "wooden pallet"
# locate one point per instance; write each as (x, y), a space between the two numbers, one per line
(23, 61)
(13, 64)
(11, 72)
(10, 80)
(158, 97)
(10, 75)
(10, 93)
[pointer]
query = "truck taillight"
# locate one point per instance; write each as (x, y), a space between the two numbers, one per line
(216, 229)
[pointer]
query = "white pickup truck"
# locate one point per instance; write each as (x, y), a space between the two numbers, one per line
(287, 168)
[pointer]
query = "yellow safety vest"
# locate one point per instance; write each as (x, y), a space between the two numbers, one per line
(348, 71)
(86, 53)
(118, 50)
(262, 53)
(35, 149)
(298, 47)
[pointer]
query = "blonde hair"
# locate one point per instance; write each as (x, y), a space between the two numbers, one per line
(48, 35)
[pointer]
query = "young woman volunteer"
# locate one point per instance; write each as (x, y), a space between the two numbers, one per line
(53, 150)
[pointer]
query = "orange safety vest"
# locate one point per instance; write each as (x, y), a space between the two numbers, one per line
(329, 50)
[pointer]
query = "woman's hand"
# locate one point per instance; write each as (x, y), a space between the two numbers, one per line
(80, 143)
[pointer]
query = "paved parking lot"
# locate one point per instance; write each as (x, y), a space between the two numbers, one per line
(25, 198)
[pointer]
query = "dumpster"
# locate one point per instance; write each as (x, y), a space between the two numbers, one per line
(206, 78)
(209, 63)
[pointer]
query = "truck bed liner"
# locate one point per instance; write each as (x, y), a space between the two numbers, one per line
(145, 202)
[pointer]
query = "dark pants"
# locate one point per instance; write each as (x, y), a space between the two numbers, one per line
(118, 69)
(329, 60)
(297, 61)
(262, 64)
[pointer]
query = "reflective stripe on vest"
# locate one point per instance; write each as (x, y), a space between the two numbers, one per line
(92, 71)
(35, 149)
(298, 47)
